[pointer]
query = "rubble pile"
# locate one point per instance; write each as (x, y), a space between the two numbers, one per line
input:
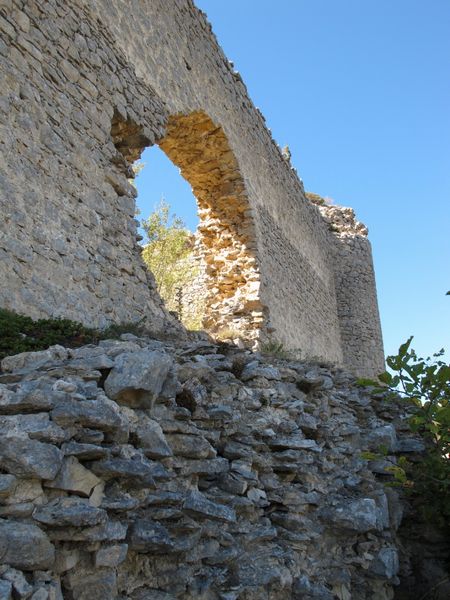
(141, 469)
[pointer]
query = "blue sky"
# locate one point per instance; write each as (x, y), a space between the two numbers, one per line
(360, 91)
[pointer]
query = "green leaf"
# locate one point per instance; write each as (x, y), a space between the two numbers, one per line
(405, 347)
(385, 378)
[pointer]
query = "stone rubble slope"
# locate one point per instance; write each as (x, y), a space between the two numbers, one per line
(139, 469)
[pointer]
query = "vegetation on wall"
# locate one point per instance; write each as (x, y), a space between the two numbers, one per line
(167, 254)
(423, 384)
(19, 333)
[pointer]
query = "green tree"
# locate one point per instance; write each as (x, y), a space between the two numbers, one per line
(167, 253)
(424, 386)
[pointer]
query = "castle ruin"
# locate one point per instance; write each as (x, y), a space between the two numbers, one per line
(86, 86)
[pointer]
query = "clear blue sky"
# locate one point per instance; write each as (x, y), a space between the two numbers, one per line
(360, 91)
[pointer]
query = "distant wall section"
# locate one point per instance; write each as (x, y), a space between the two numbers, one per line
(357, 304)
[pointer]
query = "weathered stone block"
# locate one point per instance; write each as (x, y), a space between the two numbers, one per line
(25, 546)
(29, 458)
(138, 378)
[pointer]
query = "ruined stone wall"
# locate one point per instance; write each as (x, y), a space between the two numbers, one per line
(141, 470)
(360, 328)
(68, 238)
(87, 86)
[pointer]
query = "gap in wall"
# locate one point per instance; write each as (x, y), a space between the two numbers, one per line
(227, 282)
(160, 178)
(159, 181)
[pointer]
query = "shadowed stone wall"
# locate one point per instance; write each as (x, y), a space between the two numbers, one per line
(86, 86)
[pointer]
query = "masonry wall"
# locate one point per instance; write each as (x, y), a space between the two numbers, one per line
(87, 86)
(68, 237)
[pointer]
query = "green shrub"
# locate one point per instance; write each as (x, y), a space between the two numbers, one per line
(424, 387)
(19, 333)
(115, 330)
(277, 350)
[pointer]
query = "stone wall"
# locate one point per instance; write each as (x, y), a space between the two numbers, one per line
(360, 329)
(68, 237)
(141, 470)
(88, 85)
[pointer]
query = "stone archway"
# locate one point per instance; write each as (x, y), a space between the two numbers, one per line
(226, 245)
(227, 241)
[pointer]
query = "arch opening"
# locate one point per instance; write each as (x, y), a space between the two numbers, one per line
(225, 240)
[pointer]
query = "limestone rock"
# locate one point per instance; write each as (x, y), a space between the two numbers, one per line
(22, 401)
(192, 446)
(84, 451)
(38, 427)
(29, 458)
(7, 485)
(137, 470)
(21, 587)
(73, 477)
(27, 360)
(138, 377)
(151, 439)
(358, 515)
(295, 442)
(69, 512)
(109, 531)
(40, 594)
(111, 556)
(95, 585)
(95, 414)
(254, 369)
(25, 546)
(386, 563)
(148, 536)
(383, 437)
(5, 590)
(199, 506)
(212, 466)
(192, 394)
(66, 559)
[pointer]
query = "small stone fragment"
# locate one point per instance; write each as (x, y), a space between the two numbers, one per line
(191, 446)
(69, 512)
(29, 458)
(21, 587)
(73, 477)
(150, 437)
(5, 590)
(111, 556)
(198, 505)
(25, 546)
(148, 536)
(7, 484)
(386, 563)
